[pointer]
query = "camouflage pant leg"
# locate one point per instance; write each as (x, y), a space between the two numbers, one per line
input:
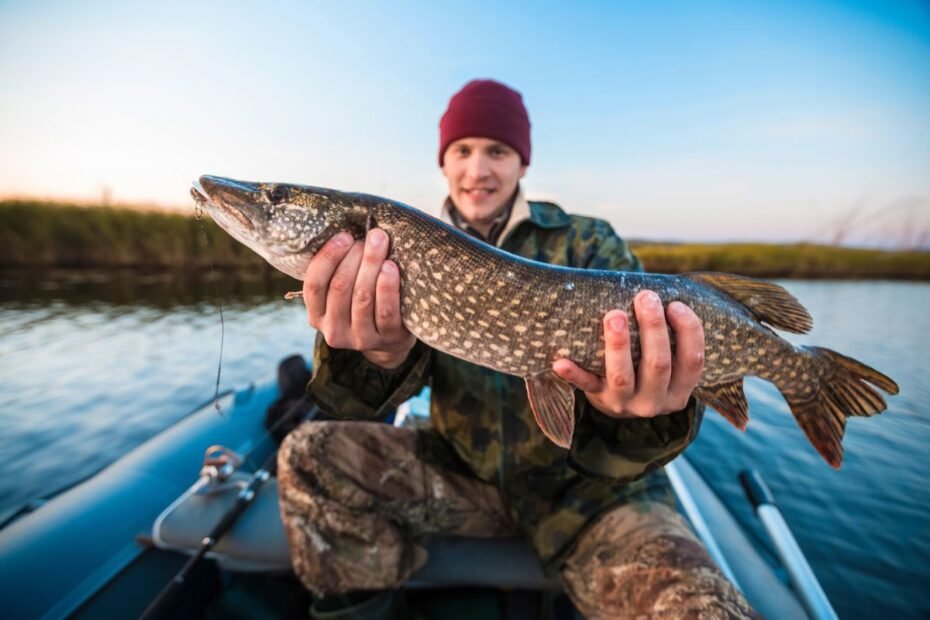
(641, 560)
(354, 498)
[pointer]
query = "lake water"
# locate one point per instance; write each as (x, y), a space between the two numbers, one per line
(91, 365)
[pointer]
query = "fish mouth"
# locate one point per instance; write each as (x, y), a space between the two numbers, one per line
(229, 202)
(198, 194)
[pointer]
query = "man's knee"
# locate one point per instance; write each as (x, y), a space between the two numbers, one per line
(643, 559)
(339, 536)
(326, 453)
(300, 450)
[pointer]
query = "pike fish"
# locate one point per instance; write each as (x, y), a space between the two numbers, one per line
(517, 316)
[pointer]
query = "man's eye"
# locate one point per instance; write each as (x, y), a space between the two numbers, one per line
(463, 151)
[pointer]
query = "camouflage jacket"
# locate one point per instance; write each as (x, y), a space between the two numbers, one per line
(482, 423)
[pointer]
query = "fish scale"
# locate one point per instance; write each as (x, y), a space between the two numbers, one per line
(517, 316)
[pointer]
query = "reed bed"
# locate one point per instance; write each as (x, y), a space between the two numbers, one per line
(48, 234)
(43, 234)
(801, 260)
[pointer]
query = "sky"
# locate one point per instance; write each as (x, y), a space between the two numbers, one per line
(704, 121)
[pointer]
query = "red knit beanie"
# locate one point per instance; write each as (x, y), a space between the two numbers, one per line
(486, 109)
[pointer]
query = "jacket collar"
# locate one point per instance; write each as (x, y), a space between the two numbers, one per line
(548, 215)
(541, 214)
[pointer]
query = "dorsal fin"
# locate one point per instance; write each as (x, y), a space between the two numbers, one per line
(768, 302)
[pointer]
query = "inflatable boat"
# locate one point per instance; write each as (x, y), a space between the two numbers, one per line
(186, 525)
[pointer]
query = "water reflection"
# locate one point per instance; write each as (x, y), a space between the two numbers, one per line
(93, 364)
(162, 290)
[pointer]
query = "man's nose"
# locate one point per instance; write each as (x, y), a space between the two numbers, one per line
(479, 166)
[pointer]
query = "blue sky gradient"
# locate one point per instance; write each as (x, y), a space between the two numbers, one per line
(694, 121)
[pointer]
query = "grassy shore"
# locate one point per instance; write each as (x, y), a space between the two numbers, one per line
(37, 234)
(49, 234)
(801, 260)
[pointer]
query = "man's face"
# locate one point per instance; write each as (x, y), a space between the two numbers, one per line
(482, 175)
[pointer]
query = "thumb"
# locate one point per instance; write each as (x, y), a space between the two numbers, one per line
(582, 379)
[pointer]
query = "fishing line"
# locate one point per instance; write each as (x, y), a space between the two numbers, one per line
(198, 214)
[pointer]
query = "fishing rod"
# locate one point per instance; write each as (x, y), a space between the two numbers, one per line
(243, 500)
(221, 469)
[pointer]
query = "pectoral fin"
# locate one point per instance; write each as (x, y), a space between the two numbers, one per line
(552, 399)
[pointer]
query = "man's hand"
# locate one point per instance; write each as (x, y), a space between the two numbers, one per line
(352, 296)
(661, 384)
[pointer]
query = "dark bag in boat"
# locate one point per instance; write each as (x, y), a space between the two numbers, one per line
(293, 404)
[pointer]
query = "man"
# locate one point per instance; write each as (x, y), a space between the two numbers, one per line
(356, 498)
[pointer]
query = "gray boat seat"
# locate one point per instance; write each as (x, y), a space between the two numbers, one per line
(257, 543)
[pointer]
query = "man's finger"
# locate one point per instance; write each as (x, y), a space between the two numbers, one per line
(319, 272)
(338, 315)
(387, 301)
(689, 352)
(655, 364)
(618, 358)
(363, 297)
(582, 379)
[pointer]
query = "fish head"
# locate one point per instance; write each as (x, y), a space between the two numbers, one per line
(285, 224)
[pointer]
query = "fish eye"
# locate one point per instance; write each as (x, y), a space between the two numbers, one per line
(279, 194)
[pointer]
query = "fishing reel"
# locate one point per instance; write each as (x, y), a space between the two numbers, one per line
(217, 473)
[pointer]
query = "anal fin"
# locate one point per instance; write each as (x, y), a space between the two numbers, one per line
(552, 399)
(728, 399)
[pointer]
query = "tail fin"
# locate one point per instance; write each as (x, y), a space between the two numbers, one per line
(843, 391)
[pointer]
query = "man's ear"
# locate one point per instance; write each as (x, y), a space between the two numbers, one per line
(523, 170)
